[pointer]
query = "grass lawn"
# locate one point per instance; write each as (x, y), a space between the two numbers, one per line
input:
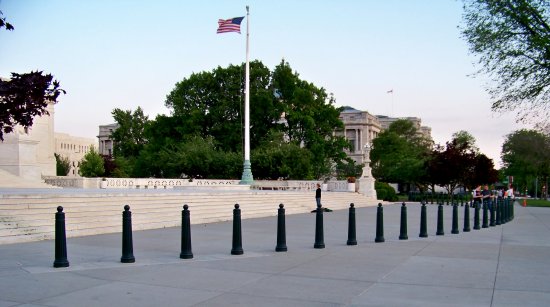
(535, 202)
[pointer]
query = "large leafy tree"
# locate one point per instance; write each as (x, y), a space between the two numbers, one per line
(526, 155)
(129, 136)
(92, 164)
(24, 96)
(62, 165)
(399, 154)
(459, 163)
(512, 41)
(209, 104)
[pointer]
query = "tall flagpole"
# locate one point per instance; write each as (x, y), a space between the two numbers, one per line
(247, 171)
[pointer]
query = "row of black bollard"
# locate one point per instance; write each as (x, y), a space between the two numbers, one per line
(500, 212)
(440, 231)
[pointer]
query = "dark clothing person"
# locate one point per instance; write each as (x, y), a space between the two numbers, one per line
(318, 196)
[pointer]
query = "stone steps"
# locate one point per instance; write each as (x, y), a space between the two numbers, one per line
(31, 217)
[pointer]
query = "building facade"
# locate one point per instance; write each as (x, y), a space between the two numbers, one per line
(29, 153)
(360, 128)
(386, 121)
(106, 144)
(74, 148)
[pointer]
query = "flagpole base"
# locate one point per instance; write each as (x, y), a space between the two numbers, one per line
(247, 173)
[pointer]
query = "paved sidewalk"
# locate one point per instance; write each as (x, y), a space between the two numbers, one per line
(506, 265)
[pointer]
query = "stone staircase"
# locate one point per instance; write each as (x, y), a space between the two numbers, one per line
(31, 217)
(9, 180)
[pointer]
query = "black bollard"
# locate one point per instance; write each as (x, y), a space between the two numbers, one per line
(237, 248)
(127, 244)
(476, 216)
(498, 213)
(319, 235)
(440, 231)
(454, 229)
(379, 224)
(492, 212)
(512, 211)
(186, 252)
(351, 226)
(403, 230)
(61, 260)
(506, 211)
(485, 223)
(423, 222)
(281, 230)
(503, 212)
(466, 218)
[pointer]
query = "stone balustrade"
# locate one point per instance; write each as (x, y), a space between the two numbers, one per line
(163, 183)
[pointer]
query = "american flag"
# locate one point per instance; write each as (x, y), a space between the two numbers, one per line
(230, 25)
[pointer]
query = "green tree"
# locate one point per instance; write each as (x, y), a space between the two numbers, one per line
(463, 137)
(92, 164)
(309, 119)
(209, 104)
(399, 154)
(526, 156)
(62, 165)
(129, 137)
(512, 41)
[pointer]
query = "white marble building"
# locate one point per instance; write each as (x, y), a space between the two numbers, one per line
(74, 148)
(30, 155)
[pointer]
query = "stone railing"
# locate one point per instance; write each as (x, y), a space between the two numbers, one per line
(302, 185)
(134, 183)
(162, 183)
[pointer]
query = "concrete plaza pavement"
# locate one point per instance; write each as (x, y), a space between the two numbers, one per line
(506, 265)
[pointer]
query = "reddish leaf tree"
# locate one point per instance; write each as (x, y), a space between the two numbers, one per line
(25, 96)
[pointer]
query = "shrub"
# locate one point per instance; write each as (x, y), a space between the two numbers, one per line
(385, 192)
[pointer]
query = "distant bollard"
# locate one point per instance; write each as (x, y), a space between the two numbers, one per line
(319, 234)
(507, 211)
(498, 213)
(485, 223)
(440, 231)
(492, 212)
(476, 216)
(466, 218)
(503, 211)
(379, 224)
(454, 229)
(423, 222)
(61, 260)
(352, 240)
(281, 230)
(186, 251)
(127, 244)
(237, 248)
(403, 229)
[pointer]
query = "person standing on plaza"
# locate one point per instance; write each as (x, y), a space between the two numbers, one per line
(318, 195)
(486, 196)
(510, 192)
(477, 195)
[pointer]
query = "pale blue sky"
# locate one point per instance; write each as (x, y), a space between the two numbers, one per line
(124, 54)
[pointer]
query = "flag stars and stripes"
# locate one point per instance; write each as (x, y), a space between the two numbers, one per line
(229, 25)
